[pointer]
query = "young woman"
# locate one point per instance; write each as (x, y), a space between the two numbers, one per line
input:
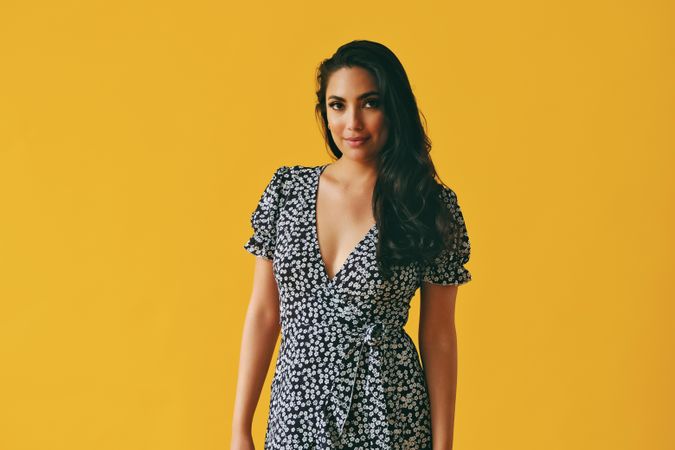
(342, 248)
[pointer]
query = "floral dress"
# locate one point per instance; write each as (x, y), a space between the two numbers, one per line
(347, 375)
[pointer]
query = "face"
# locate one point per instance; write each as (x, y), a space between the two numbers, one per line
(354, 110)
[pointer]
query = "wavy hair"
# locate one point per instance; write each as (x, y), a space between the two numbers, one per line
(413, 224)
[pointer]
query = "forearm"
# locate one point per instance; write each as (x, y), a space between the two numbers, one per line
(259, 338)
(439, 358)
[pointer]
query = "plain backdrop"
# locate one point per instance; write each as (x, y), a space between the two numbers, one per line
(136, 139)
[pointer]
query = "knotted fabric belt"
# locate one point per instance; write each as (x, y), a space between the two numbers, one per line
(339, 402)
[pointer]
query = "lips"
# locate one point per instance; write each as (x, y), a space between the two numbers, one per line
(356, 142)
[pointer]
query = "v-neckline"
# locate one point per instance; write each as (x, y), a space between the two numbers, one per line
(315, 232)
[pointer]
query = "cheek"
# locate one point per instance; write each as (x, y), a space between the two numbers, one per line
(334, 122)
(378, 124)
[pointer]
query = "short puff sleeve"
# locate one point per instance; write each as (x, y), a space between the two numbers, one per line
(448, 267)
(264, 217)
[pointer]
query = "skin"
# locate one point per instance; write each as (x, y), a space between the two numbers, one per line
(344, 216)
(438, 351)
(344, 213)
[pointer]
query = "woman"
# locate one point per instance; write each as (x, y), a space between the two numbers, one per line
(342, 248)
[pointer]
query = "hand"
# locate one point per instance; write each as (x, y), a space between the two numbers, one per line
(241, 441)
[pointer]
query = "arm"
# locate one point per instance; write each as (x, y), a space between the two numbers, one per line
(438, 350)
(261, 330)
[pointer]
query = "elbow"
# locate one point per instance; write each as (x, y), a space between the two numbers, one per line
(264, 318)
(438, 337)
(268, 321)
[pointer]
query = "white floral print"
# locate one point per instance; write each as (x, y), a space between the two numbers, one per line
(347, 375)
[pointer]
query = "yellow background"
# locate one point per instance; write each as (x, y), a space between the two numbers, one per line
(136, 139)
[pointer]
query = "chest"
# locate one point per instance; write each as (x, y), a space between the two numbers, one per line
(350, 268)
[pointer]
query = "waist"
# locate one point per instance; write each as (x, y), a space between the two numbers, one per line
(372, 332)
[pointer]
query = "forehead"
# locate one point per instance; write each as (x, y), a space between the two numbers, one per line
(350, 82)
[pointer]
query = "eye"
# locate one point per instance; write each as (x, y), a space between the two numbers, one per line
(374, 102)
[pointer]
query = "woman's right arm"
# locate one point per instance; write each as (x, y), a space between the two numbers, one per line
(259, 338)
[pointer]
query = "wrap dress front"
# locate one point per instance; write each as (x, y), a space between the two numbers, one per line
(347, 375)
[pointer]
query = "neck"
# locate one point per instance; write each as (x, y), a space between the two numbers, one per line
(354, 174)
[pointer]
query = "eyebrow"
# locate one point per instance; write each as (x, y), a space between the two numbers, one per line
(367, 94)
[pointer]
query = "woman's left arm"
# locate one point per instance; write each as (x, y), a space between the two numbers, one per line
(438, 350)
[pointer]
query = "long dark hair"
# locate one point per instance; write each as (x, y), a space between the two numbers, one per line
(413, 224)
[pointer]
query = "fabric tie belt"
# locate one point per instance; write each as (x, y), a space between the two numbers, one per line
(339, 402)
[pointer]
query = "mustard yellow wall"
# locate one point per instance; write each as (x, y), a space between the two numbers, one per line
(136, 138)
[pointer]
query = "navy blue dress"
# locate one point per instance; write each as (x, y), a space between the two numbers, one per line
(347, 374)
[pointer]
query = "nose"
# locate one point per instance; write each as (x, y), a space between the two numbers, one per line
(354, 121)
